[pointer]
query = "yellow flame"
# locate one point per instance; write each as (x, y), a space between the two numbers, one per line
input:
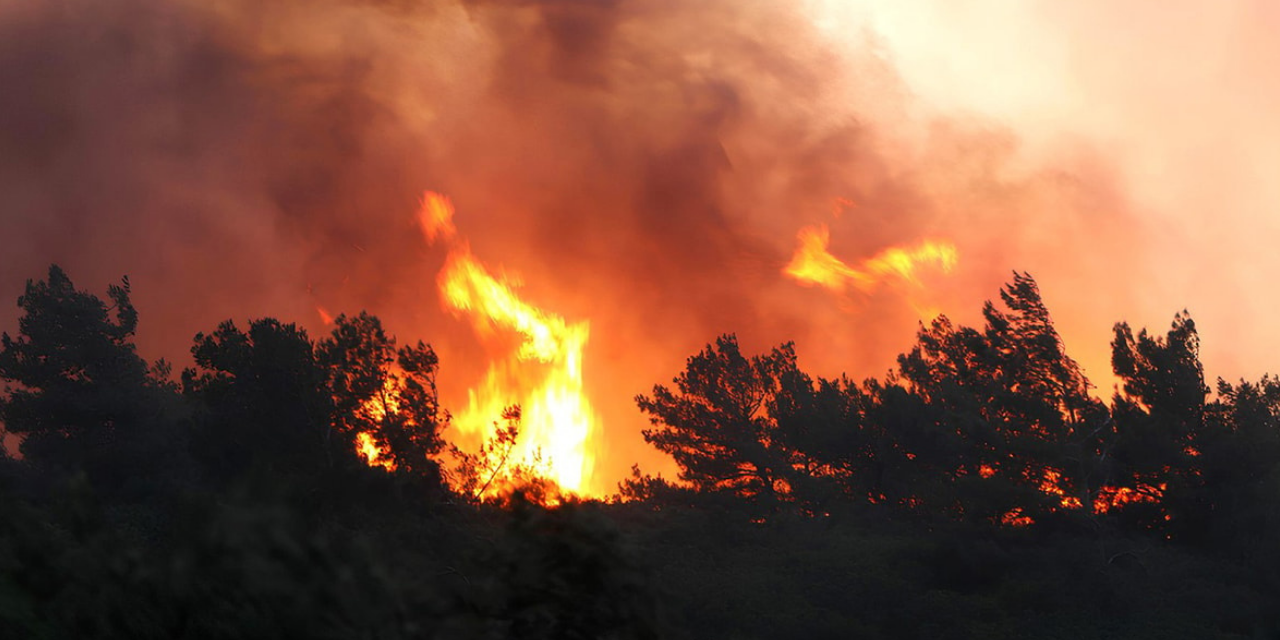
(544, 376)
(813, 263)
(373, 455)
(376, 409)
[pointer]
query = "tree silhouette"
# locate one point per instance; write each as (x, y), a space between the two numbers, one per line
(384, 392)
(265, 402)
(976, 429)
(75, 388)
(823, 431)
(1160, 420)
(1239, 465)
(717, 424)
(1020, 405)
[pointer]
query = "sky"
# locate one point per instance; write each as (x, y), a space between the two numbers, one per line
(645, 166)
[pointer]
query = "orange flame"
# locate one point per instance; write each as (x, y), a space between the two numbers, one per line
(372, 454)
(813, 263)
(1015, 518)
(1114, 497)
(376, 409)
(435, 217)
(544, 376)
(1051, 485)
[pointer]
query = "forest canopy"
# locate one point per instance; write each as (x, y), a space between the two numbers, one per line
(141, 503)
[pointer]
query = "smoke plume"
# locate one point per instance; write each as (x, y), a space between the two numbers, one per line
(644, 165)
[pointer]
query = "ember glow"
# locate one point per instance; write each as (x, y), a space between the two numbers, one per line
(1110, 498)
(543, 375)
(1052, 485)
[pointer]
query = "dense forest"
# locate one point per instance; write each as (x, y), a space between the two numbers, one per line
(978, 490)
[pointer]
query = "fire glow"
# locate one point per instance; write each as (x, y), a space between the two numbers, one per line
(543, 373)
(543, 376)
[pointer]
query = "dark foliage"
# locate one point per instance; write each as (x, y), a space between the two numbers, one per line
(77, 392)
(980, 490)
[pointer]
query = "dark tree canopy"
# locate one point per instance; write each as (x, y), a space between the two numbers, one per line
(266, 401)
(294, 489)
(277, 400)
(1019, 404)
(75, 388)
(719, 423)
(1160, 421)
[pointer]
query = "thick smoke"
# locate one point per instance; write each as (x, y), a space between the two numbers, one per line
(641, 164)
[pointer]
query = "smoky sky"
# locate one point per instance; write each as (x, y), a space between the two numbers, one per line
(642, 165)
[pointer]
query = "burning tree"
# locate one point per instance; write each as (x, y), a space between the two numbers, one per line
(385, 397)
(279, 401)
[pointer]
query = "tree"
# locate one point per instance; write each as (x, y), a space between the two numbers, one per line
(389, 394)
(1160, 421)
(1239, 465)
(265, 403)
(717, 423)
(914, 458)
(823, 428)
(1031, 435)
(75, 388)
(278, 401)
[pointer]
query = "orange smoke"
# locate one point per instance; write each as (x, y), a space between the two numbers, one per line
(543, 376)
(813, 263)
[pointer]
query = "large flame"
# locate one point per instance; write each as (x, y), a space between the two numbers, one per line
(813, 263)
(544, 376)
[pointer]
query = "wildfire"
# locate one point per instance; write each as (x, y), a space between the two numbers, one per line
(813, 263)
(1051, 485)
(1015, 518)
(544, 376)
(376, 409)
(373, 455)
(1114, 497)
